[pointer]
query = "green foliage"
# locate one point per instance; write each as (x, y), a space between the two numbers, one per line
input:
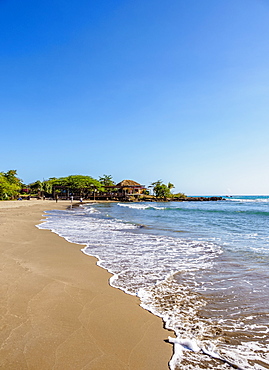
(10, 185)
(75, 182)
(47, 186)
(170, 186)
(180, 195)
(84, 185)
(12, 178)
(161, 190)
(39, 187)
(106, 180)
(36, 187)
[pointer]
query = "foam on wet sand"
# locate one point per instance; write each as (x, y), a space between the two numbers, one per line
(57, 308)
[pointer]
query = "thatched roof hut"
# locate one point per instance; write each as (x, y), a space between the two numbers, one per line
(128, 183)
(130, 187)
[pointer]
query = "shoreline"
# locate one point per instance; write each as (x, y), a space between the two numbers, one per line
(59, 311)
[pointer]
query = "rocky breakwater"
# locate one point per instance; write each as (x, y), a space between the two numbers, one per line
(199, 199)
(151, 198)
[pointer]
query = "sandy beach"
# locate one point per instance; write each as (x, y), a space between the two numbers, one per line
(57, 308)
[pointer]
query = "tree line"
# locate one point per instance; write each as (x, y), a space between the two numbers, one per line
(12, 187)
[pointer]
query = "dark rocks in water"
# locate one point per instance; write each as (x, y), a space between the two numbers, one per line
(202, 199)
(184, 199)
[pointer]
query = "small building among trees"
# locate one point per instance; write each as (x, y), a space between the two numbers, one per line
(131, 187)
(89, 188)
(124, 190)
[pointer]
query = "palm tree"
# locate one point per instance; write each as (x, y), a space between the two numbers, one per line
(170, 186)
(106, 180)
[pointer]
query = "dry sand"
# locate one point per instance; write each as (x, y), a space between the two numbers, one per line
(57, 308)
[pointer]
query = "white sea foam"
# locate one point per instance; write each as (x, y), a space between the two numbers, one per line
(247, 200)
(140, 206)
(146, 265)
(134, 206)
(181, 345)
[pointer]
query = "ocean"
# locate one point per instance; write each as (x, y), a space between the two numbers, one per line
(203, 267)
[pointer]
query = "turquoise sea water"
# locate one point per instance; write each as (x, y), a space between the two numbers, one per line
(201, 266)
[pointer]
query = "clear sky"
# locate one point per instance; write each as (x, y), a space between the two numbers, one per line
(176, 90)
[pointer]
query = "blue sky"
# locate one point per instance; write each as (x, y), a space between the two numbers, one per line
(144, 90)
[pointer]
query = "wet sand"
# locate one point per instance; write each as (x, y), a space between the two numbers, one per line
(57, 308)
